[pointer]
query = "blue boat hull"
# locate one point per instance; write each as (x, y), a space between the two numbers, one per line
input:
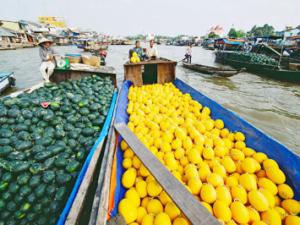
(288, 161)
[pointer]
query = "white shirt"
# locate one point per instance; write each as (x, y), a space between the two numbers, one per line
(152, 52)
(189, 51)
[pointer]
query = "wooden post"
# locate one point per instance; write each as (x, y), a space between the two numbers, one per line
(186, 202)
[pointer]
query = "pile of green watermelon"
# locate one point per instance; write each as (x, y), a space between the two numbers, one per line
(45, 137)
(253, 58)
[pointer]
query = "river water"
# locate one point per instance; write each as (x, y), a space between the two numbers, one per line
(272, 106)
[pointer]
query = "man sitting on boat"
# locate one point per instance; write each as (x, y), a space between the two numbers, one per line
(152, 52)
(138, 52)
(138, 49)
(47, 56)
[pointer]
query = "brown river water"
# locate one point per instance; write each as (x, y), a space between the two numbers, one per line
(270, 105)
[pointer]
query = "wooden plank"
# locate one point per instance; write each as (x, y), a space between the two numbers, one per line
(27, 90)
(104, 199)
(188, 204)
(100, 203)
(78, 203)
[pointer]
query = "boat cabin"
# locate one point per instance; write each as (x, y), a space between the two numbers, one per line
(150, 72)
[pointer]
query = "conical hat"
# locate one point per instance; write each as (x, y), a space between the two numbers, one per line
(43, 40)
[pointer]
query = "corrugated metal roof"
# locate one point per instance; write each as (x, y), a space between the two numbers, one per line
(5, 33)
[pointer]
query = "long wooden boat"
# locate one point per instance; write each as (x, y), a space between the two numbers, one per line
(112, 191)
(225, 72)
(259, 69)
(75, 203)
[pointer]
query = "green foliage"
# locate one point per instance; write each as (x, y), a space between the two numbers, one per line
(265, 30)
(233, 33)
(213, 35)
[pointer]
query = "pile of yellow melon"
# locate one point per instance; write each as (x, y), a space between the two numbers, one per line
(237, 184)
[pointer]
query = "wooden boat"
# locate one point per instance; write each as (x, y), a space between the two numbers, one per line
(74, 207)
(259, 69)
(225, 72)
(110, 190)
(6, 80)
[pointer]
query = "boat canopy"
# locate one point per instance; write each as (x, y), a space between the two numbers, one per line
(230, 41)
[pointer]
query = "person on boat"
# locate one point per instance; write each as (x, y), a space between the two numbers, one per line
(138, 49)
(47, 56)
(188, 53)
(152, 52)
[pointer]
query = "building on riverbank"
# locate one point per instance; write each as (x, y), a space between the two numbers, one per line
(23, 33)
(7, 39)
(21, 39)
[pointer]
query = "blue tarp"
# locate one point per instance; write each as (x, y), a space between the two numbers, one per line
(226, 41)
(103, 133)
(288, 161)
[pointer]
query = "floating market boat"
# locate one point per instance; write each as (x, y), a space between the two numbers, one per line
(6, 80)
(224, 72)
(272, 71)
(64, 207)
(110, 190)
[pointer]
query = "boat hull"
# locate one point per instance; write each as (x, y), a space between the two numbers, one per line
(288, 161)
(210, 70)
(262, 70)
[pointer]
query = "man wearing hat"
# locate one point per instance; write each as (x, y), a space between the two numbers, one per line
(47, 56)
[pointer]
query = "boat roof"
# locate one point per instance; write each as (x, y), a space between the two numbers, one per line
(5, 33)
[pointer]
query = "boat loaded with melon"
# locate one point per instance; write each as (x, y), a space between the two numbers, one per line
(258, 64)
(50, 139)
(238, 173)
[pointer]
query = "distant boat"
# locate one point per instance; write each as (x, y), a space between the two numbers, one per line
(272, 71)
(6, 80)
(225, 72)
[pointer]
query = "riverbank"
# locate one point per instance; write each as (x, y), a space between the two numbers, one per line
(270, 105)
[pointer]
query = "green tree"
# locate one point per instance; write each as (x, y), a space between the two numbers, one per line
(265, 30)
(213, 35)
(232, 33)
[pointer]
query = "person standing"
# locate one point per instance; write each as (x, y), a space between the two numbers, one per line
(188, 53)
(152, 52)
(47, 57)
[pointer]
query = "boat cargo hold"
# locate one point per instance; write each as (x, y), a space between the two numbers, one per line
(51, 139)
(264, 148)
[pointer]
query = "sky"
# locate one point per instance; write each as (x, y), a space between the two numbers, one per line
(165, 17)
